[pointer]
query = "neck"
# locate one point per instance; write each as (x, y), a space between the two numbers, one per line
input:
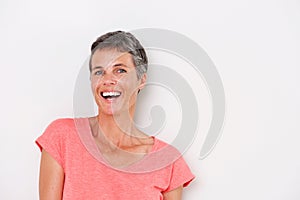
(117, 128)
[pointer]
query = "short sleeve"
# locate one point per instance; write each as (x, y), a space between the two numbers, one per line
(181, 174)
(52, 140)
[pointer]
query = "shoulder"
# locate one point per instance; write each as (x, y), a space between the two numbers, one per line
(58, 132)
(61, 127)
(56, 137)
(62, 124)
(160, 145)
(165, 154)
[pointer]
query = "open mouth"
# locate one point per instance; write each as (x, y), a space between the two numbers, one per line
(110, 95)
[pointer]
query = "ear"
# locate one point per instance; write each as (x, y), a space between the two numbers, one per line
(143, 81)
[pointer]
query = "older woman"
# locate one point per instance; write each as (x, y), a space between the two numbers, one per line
(106, 156)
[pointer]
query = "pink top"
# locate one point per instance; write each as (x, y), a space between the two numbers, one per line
(87, 176)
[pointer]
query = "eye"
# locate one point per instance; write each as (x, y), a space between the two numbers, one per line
(121, 70)
(99, 72)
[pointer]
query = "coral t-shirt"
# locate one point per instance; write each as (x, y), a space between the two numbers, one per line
(87, 175)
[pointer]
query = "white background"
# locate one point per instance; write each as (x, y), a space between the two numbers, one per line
(255, 46)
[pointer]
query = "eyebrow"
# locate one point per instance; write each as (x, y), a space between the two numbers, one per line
(115, 65)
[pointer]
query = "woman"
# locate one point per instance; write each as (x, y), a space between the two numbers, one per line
(106, 156)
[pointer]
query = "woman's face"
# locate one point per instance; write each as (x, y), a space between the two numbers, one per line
(114, 81)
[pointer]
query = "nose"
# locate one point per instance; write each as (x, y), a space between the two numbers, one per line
(109, 79)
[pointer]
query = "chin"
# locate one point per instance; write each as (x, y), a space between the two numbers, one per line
(110, 112)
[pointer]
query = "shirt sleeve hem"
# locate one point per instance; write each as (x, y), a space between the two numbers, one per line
(41, 146)
(184, 183)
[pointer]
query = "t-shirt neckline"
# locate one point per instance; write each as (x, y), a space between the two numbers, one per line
(85, 133)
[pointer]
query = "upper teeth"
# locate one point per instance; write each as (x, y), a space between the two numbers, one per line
(105, 94)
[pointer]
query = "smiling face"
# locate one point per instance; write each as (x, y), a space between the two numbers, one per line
(114, 81)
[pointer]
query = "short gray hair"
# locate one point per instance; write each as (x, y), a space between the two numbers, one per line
(123, 42)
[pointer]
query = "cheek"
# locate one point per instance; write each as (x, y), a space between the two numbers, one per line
(94, 85)
(129, 84)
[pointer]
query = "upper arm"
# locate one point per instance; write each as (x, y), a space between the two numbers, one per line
(51, 178)
(173, 194)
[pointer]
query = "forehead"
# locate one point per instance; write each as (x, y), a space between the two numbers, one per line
(110, 57)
